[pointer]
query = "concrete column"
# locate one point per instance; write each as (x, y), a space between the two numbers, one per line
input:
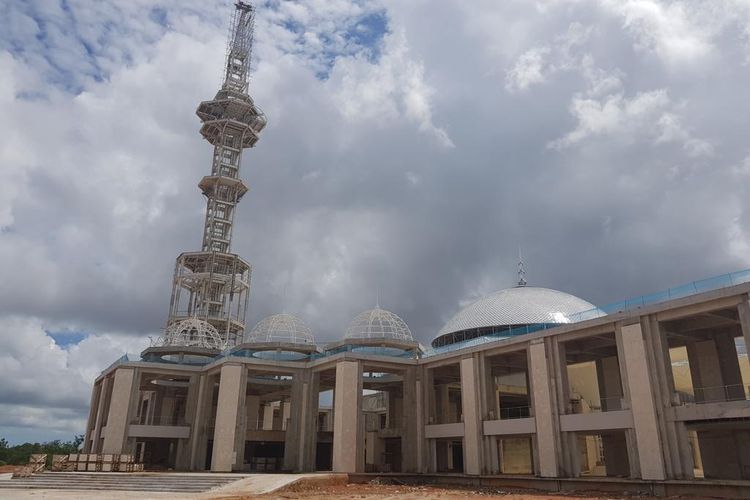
(472, 419)
(443, 405)
(410, 422)
(183, 459)
(294, 424)
(677, 452)
(348, 452)
(308, 421)
(268, 416)
(569, 460)
(231, 384)
(541, 401)
(99, 416)
(729, 364)
(198, 428)
(705, 370)
(639, 381)
(422, 404)
(743, 309)
(119, 411)
(487, 398)
(96, 392)
(608, 378)
(616, 454)
(285, 410)
(252, 408)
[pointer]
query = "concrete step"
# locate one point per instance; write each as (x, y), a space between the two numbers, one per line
(102, 481)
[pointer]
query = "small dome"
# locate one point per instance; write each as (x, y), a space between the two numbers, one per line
(282, 328)
(522, 305)
(192, 332)
(378, 324)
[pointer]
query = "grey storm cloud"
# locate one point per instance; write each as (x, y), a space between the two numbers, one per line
(410, 160)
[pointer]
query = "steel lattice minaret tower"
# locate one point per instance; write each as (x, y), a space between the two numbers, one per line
(211, 288)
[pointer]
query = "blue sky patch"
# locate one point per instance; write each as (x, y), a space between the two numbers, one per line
(67, 339)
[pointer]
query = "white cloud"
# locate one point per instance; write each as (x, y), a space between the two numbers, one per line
(650, 116)
(382, 92)
(668, 29)
(529, 69)
(46, 386)
(537, 64)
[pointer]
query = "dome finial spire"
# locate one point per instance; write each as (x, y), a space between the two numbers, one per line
(521, 270)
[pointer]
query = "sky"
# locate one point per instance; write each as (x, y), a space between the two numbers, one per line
(412, 147)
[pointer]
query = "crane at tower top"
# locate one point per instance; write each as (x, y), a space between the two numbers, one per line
(239, 48)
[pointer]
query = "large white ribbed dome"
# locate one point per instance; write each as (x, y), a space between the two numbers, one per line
(378, 324)
(522, 305)
(282, 328)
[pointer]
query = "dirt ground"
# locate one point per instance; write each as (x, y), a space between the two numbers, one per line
(4, 469)
(327, 489)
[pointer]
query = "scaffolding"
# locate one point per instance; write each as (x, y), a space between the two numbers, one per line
(213, 285)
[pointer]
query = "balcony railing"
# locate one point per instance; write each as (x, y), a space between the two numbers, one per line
(716, 394)
(578, 406)
(168, 420)
(512, 412)
(372, 424)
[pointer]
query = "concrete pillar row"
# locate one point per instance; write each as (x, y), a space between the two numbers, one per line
(348, 424)
(542, 408)
(228, 421)
(639, 382)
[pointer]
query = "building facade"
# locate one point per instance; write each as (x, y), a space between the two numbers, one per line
(507, 406)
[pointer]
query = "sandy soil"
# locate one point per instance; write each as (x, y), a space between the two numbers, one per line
(327, 489)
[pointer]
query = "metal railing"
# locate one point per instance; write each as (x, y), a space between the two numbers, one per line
(375, 424)
(167, 420)
(513, 412)
(275, 425)
(577, 406)
(716, 394)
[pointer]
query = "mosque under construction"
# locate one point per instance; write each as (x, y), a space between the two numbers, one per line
(525, 382)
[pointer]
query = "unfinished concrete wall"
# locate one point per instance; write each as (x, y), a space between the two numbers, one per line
(348, 429)
(231, 386)
(119, 411)
(542, 409)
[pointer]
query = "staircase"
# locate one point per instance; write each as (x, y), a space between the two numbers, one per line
(174, 482)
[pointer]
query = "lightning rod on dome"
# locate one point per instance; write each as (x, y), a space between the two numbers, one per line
(521, 270)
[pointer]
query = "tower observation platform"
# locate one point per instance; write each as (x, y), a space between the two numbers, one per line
(212, 285)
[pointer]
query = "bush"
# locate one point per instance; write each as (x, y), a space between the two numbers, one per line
(20, 453)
